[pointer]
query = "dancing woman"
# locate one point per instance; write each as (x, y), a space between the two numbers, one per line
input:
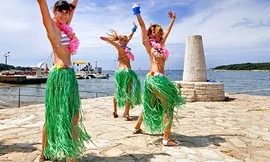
(161, 96)
(128, 87)
(63, 133)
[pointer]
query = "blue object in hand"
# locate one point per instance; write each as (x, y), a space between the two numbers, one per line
(134, 28)
(136, 10)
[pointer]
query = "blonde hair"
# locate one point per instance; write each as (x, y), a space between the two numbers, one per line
(114, 36)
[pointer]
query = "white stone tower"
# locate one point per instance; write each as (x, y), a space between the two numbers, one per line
(194, 85)
(194, 65)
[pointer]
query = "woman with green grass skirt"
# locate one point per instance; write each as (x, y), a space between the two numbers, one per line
(128, 87)
(161, 96)
(63, 134)
(63, 119)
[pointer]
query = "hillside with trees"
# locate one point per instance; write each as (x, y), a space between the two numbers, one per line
(245, 66)
(11, 67)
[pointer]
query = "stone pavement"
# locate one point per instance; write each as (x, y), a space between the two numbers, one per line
(232, 131)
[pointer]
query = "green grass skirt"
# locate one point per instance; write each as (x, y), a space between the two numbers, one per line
(128, 88)
(62, 103)
(161, 96)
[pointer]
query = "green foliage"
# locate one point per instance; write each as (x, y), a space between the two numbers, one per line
(22, 68)
(6, 67)
(10, 67)
(245, 66)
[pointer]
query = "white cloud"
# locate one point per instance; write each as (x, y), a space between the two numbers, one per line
(226, 31)
(216, 24)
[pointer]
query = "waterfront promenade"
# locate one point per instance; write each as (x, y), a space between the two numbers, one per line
(233, 131)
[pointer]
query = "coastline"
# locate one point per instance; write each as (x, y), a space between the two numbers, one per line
(238, 70)
(231, 131)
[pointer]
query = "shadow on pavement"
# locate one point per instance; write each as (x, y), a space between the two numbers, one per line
(122, 158)
(17, 147)
(200, 141)
(196, 141)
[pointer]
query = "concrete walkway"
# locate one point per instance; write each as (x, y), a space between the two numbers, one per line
(233, 131)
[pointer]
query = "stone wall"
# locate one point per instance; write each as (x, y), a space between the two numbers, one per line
(202, 91)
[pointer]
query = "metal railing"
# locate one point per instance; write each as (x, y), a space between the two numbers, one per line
(18, 95)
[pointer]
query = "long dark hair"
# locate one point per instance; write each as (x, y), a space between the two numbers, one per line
(63, 5)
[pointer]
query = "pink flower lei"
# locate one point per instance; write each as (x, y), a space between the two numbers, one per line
(74, 41)
(156, 45)
(128, 52)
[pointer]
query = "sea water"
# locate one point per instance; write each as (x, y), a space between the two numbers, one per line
(247, 82)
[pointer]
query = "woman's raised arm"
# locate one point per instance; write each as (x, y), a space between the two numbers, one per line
(145, 39)
(133, 30)
(74, 3)
(111, 42)
(46, 17)
(168, 30)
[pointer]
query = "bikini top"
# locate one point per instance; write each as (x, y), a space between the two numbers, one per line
(128, 52)
(68, 38)
(65, 40)
(160, 51)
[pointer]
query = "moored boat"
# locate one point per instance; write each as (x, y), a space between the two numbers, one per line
(87, 72)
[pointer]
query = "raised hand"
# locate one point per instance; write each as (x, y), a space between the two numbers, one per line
(172, 15)
(136, 8)
(135, 24)
(134, 27)
(103, 38)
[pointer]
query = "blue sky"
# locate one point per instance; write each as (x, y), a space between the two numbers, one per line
(233, 31)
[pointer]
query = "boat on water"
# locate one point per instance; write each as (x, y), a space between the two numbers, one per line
(38, 75)
(84, 70)
(100, 76)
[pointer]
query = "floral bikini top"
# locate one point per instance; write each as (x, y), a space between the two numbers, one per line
(128, 52)
(74, 41)
(160, 51)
